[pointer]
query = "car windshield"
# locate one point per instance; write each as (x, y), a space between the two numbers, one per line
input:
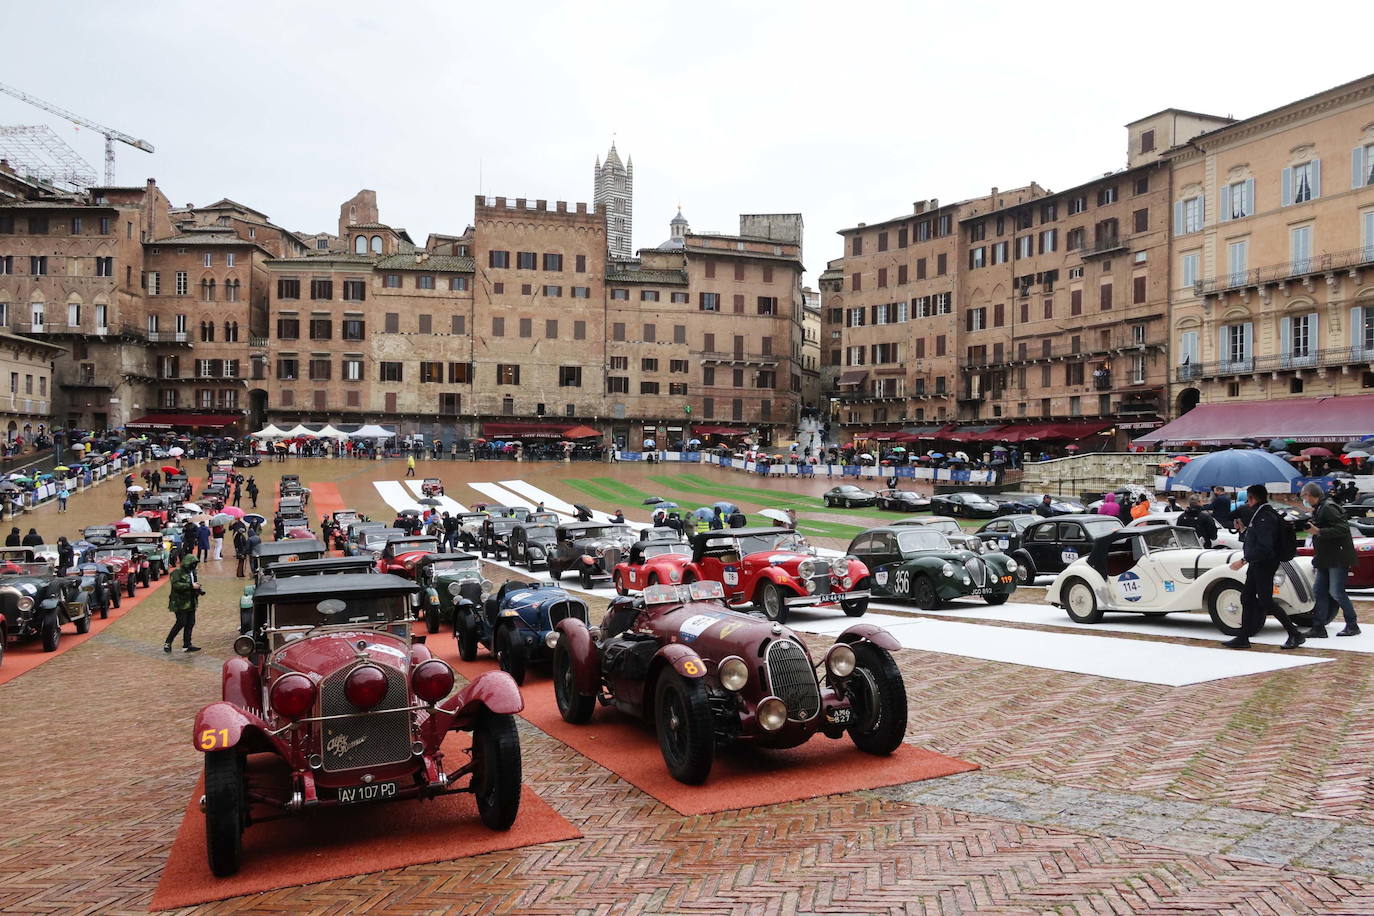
(973, 497)
(1170, 538)
(922, 539)
(446, 566)
(432, 480)
(377, 538)
(13, 568)
(1098, 528)
(503, 524)
(578, 533)
(618, 531)
(122, 552)
(357, 610)
(759, 543)
(662, 550)
(398, 547)
(945, 526)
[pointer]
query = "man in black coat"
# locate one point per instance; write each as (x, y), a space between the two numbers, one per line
(1220, 508)
(1193, 517)
(1261, 543)
(1333, 555)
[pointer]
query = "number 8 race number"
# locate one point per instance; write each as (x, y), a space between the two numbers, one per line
(691, 667)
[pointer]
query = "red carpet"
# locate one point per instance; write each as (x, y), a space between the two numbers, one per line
(741, 777)
(341, 842)
(21, 658)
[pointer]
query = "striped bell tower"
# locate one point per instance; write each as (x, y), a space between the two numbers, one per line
(613, 194)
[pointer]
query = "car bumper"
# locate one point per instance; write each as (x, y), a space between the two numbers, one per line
(831, 598)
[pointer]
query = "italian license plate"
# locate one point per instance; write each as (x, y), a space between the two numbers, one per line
(378, 791)
(985, 590)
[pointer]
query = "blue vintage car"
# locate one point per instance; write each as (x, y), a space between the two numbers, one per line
(516, 624)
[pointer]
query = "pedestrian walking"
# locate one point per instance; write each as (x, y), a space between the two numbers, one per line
(217, 542)
(1333, 555)
(1261, 540)
(410, 465)
(253, 491)
(1201, 522)
(185, 592)
(202, 541)
(737, 519)
(240, 549)
(65, 556)
(62, 497)
(238, 493)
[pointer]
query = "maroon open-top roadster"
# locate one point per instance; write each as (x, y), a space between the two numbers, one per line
(707, 676)
(331, 681)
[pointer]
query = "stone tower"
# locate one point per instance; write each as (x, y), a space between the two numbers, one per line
(614, 196)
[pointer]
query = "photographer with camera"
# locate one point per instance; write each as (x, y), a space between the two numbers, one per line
(181, 600)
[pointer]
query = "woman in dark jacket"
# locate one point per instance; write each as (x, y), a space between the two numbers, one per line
(33, 538)
(1333, 551)
(14, 539)
(65, 556)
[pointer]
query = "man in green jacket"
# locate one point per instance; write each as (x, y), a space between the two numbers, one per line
(1333, 556)
(181, 601)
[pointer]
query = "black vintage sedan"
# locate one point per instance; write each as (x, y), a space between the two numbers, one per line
(1029, 503)
(848, 495)
(902, 500)
(963, 505)
(1051, 545)
(1004, 534)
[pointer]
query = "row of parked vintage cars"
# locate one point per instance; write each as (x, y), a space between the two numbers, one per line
(338, 672)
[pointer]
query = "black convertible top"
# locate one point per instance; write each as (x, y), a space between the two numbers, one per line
(340, 586)
(289, 546)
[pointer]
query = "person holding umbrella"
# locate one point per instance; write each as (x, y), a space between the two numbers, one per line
(252, 491)
(1261, 544)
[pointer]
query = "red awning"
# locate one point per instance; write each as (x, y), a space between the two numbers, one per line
(525, 430)
(878, 435)
(1330, 419)
(974, 434)
(718, 431)
(184, 420)
(1046, 431)
(581, 432)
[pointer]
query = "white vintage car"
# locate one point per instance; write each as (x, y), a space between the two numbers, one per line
(1224, 538)
(1158, 569)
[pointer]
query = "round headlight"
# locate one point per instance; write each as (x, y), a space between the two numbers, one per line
(432, 680)
(244, 645)
(847, 583)
(811, 586)
(840, 660)
(674, 575)
(839, 566)
(772, 714)
(486, 588)
(25, 603)
(1280, 578)
(806, 568)
(365, 686)
(733, 673)
(966, 580)
(292, 695)
(1011, 566)
(551, 638)
(947, 570)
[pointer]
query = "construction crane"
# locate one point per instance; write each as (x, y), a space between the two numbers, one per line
(110, 134)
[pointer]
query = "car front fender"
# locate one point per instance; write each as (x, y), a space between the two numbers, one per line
(240, 683)
(582, 651)
(494, 691)
(776, 575)
(1079, 569)
(867, 632)
(220, 726)
(684, 660)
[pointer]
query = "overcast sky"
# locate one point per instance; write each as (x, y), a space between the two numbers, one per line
(844, 112)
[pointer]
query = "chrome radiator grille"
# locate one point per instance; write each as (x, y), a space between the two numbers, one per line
(789, 671)
(562, 610)
(365, 739)
(1299, 583)
(977, 571)
(609, 558)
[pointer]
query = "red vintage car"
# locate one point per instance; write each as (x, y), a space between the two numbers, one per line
(401, 554)
(432, 486)
(331, 681)
(776, 570)
(651, 563)
(708, 677)
(128, 567)
(1361, 574)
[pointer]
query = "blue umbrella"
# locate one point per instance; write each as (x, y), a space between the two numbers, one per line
(665, 505)
(703, 512)
(1234, 467)
(724, 507)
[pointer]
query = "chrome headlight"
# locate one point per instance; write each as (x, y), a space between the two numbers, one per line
(947, 570)
(535, 550)
(1280, 578)
(733, 673)
(486, 588)
(966, 580)
(772, 714)
(806, 568)
(674, 575)
(840, 660)
(839, 566)
(25, 603)
(847, 583)
(976, 545)
(551, 638)
(1011, 565)
(811, 586)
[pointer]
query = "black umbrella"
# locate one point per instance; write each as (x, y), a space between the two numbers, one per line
(651, 500)
(427, 501)
(411, 512)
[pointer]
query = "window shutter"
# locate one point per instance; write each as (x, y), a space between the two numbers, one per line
(1285, 338)
(1316, 178)
(1225, 203)
(1250, 196)
(1314, 340)
(1202, 209)
(1356, 327)
(1287, 183)
(1248, 340)
(1178, 217)
(1223, 354)
(1357, 172)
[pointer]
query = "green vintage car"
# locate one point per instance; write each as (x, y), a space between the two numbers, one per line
(448, 579)
(918, 564)
(153, 547)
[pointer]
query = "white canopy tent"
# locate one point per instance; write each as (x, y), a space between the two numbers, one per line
(300, 429)
(371, 431)
(329, 432)
(270, 431)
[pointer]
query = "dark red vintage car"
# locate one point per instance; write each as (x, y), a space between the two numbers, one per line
(776, 570)
(331, 681)
(127, 565)
(1361, 575)
(651, 563)
(707, 676)
(432, 486)
(401, 554)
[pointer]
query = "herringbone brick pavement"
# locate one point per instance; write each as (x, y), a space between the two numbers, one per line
(97, 766)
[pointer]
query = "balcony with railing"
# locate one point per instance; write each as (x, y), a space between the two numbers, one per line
(177, 337)
(1275, 362)
(739, 357)
(1287, 270)
(1104, 245)
(1119, 342)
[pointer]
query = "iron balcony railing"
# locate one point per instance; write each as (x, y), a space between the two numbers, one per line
(1313, 359)
(1288, 270)
(1123, 342)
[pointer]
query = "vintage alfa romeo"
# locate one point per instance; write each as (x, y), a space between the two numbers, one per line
(776, 570)
(707, 676)
(331, 681)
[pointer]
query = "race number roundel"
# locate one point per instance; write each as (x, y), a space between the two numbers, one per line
(1129, 583)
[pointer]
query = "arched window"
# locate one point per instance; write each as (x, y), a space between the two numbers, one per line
(360, 245)
(207, 331)
(231, 290)
(376, 244)
(207, 290)
(231, 332)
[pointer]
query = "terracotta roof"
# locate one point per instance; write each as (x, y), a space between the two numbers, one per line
(647, 276)
(447, 263)
(203, 238)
